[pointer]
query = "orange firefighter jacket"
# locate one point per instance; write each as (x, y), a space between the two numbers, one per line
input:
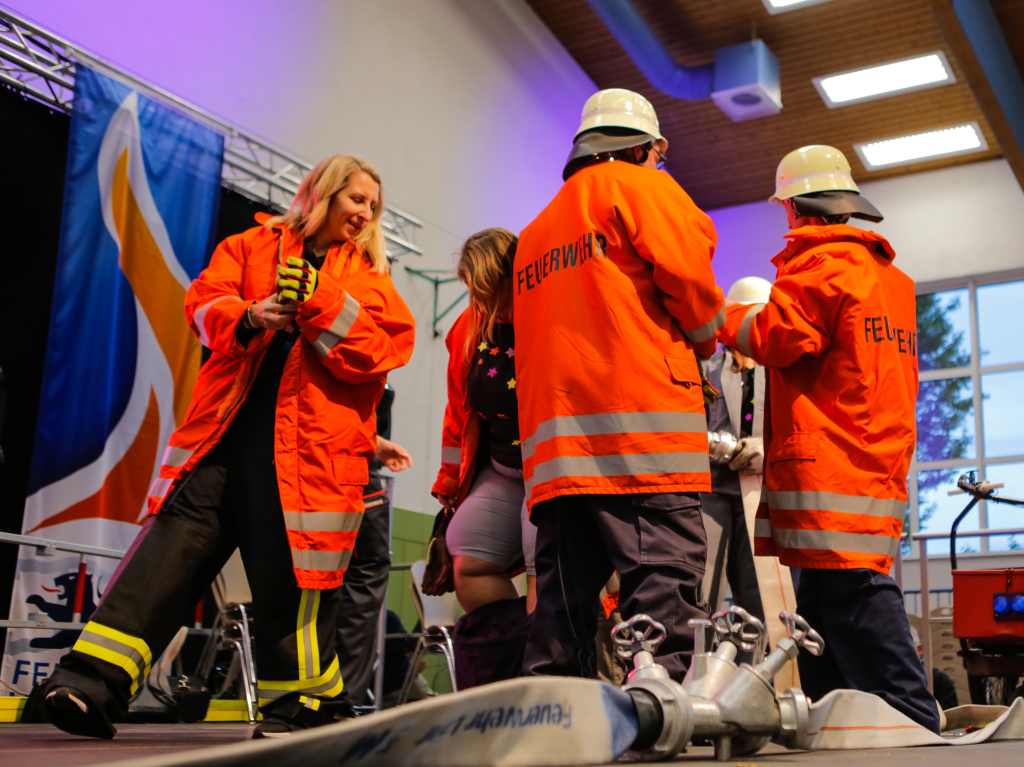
(839, 337)
(354, 329)
(460, 437)
(613, 294)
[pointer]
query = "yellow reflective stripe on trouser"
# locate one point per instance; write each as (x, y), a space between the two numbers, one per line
(129, 653)
(327, 685)
(313, 703)
(307, 647)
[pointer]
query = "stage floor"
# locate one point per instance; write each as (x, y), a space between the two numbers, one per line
(40, 745)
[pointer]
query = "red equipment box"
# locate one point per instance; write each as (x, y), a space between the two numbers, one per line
(976, 595)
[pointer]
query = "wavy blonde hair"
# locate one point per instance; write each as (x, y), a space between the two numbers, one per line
(485, 266)
(308, 211)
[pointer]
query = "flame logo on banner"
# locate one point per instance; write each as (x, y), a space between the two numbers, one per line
(115, 485)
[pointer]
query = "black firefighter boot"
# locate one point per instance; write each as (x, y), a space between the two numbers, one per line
(296, 712)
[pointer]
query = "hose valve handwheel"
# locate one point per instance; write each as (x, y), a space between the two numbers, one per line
(739, 627)
(639, 633)
(800, 631)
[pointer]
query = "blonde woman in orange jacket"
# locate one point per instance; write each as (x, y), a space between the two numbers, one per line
(303, 324)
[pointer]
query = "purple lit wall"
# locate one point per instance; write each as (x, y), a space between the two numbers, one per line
(943, 224)
(466, 107)
(748, 237)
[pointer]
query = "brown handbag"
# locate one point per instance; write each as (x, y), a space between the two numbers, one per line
(439, 575)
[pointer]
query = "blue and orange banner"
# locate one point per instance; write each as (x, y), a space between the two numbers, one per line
(140, 206)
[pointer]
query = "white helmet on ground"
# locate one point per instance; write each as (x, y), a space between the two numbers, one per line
(751, 290)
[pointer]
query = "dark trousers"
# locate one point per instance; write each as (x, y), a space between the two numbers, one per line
(657, 544)
(862, 618)
(230, 500)
(730, 558)
(362, 596)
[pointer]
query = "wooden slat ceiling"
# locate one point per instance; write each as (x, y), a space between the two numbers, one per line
(1011, 18)
(722, 163)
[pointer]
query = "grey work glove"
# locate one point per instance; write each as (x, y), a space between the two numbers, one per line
(749, 458)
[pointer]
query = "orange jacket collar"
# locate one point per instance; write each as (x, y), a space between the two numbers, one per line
(336, 256)
(808, 236)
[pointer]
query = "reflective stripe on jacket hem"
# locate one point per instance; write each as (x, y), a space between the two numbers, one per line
(819, 500)
(613, 423)
(617, 465)
(323, 521)
(339, 328)
(830, 540)
(743, 334)
(707, 330)
(311, 559)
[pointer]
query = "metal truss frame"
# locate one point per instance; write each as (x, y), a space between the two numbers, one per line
(42, 66)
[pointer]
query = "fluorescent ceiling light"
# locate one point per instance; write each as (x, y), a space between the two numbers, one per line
(903, 76)
(781, 6)
(917, 147)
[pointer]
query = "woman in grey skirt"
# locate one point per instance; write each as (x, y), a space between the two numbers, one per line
(481, 476)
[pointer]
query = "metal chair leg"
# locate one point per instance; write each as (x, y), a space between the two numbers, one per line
(449, 655)
(236, 632)
(414, 669)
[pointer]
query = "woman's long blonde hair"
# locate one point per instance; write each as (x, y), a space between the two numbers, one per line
(308, 211)
(485, 266)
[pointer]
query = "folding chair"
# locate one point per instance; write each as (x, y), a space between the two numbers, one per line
(437, 615)
(231, 631)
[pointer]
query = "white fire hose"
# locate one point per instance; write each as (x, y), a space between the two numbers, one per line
(563, 722)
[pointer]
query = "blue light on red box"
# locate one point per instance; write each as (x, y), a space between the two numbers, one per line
(1008, 607)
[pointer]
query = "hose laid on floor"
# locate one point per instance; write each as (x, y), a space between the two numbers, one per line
(530, 722)
(849, 719)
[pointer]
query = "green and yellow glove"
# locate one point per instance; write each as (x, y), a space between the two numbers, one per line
(296, 280)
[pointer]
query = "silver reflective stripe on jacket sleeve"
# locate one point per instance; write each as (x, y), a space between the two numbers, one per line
(339, 328)
(707, 330)
(199, 318)
(743, 335)
(831, 540)
(819, 500)
(160, 486)
(617, 465)
(176, 456)
(451, 455)
(613, 423)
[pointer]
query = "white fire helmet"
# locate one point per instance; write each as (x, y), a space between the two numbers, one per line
(619, 108)
(751, 290)
(814, 168)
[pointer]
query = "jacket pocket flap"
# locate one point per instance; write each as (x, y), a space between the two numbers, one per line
(683, 370)
(351, 470)
(797, 447)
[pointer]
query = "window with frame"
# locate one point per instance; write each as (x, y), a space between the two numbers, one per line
(970, 408)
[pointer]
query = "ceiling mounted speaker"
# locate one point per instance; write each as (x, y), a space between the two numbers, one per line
(746, 81)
